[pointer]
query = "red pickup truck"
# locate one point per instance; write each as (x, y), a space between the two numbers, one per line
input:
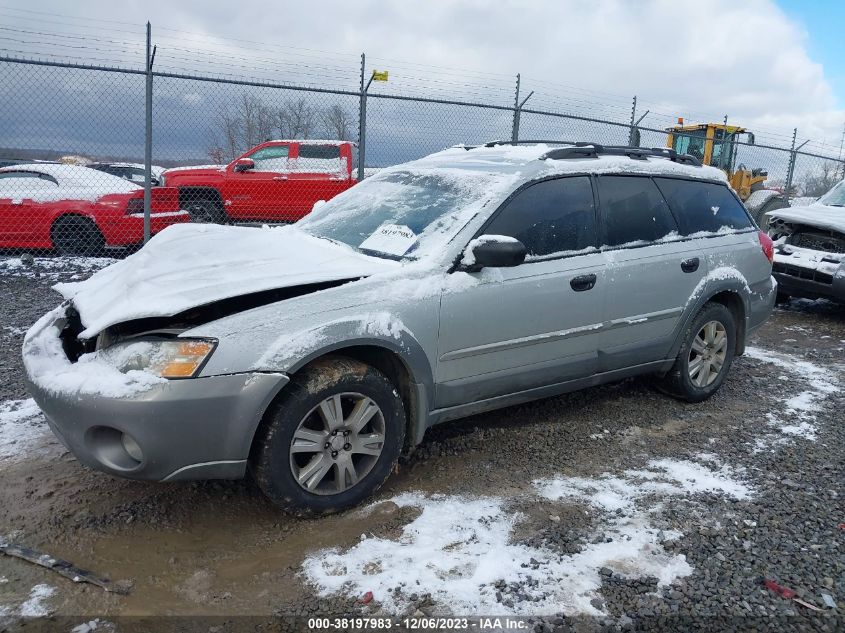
(276, 181)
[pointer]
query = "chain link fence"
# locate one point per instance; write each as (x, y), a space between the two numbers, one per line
(96, 159)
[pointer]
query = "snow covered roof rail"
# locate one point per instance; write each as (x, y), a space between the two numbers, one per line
(534, 142)
(586, 149)
(593, 150)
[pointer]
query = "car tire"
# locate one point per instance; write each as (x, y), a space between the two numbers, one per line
(206, 211)
(77, 235)
(709, 345)
(301, 458)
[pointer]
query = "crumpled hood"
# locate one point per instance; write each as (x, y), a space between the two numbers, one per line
(189, 265)
(820, 215)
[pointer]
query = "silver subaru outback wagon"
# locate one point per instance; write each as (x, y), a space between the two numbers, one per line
(311, 355)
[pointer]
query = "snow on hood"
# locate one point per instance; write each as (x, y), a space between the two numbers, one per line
(820, 215)
(187, 266)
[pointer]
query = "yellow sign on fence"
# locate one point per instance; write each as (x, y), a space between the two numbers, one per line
(379, 75)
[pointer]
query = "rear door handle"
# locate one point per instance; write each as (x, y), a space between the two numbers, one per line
(690, 265)
(582, 282)
(280, 177)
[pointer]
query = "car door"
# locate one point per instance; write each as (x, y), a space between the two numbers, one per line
(265, 192)
(510, 330)
(318, 172)
(652, 271)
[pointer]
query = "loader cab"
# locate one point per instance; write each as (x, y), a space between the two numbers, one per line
(716, 144)
(712, 143)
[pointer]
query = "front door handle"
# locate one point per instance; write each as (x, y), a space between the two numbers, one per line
(690, 265)
(583, 282)
(280, 177)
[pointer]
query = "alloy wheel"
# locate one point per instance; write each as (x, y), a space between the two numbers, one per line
(337, 443)
(707, 354)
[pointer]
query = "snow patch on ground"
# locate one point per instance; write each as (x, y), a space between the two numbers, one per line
(64, 268)
(35, 606)
(22, 428)
(459, 547)
(797, 414)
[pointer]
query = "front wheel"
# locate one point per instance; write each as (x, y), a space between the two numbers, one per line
(332, 439)
(705, 355)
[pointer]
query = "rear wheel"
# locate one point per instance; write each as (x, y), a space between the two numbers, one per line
(705, 355)
(332, 440)
(76, 235)
(205, 211)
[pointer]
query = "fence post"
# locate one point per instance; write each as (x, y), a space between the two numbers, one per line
(633, 119)
(362, 123)
(148, 137)
(517, 110)
(791, 169)
(515, 130)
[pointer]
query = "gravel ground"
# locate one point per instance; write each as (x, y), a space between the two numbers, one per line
(614, 508)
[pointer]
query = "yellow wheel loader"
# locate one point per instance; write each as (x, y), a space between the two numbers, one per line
(715, 144)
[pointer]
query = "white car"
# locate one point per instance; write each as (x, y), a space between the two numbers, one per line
(810, 248)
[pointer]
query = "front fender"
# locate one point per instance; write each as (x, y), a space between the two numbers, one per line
(289, 353)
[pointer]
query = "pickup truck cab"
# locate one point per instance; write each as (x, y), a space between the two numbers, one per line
(276, 181)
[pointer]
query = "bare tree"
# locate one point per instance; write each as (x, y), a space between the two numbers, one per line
(217, 154)
(820, 182)
(337, 123)
(252, 121)
(296, 119)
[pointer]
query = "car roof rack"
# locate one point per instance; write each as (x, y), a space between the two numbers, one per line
(587, 149)
(594, 150)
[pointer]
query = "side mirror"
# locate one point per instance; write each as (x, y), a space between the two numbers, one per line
(243, 164)
(493, 251)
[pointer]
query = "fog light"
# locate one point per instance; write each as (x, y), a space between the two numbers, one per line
(132, 448)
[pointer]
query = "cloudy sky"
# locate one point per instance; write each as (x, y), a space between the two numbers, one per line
(769, 65)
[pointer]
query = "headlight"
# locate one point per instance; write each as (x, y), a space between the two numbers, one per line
(171, 358)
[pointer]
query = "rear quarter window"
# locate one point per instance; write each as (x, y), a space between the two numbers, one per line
(703, 207)
(319, 151)
(634, 211)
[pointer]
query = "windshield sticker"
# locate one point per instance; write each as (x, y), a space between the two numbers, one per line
(392, 239)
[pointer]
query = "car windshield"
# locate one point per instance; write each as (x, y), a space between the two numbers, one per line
(835, 197)
(403, 214)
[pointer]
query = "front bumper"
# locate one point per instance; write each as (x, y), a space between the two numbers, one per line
(198, 428)
(800, 277)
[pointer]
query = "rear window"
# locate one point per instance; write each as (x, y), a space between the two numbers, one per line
(703, 207)
(634, 211)
(319, 151)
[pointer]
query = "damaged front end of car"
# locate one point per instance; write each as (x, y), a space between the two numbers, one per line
(809, 259)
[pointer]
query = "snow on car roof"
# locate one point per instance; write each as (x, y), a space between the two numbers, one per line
(186, 167)
(525, 159)
(311, 141)
(78, 178)
(133, 165)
